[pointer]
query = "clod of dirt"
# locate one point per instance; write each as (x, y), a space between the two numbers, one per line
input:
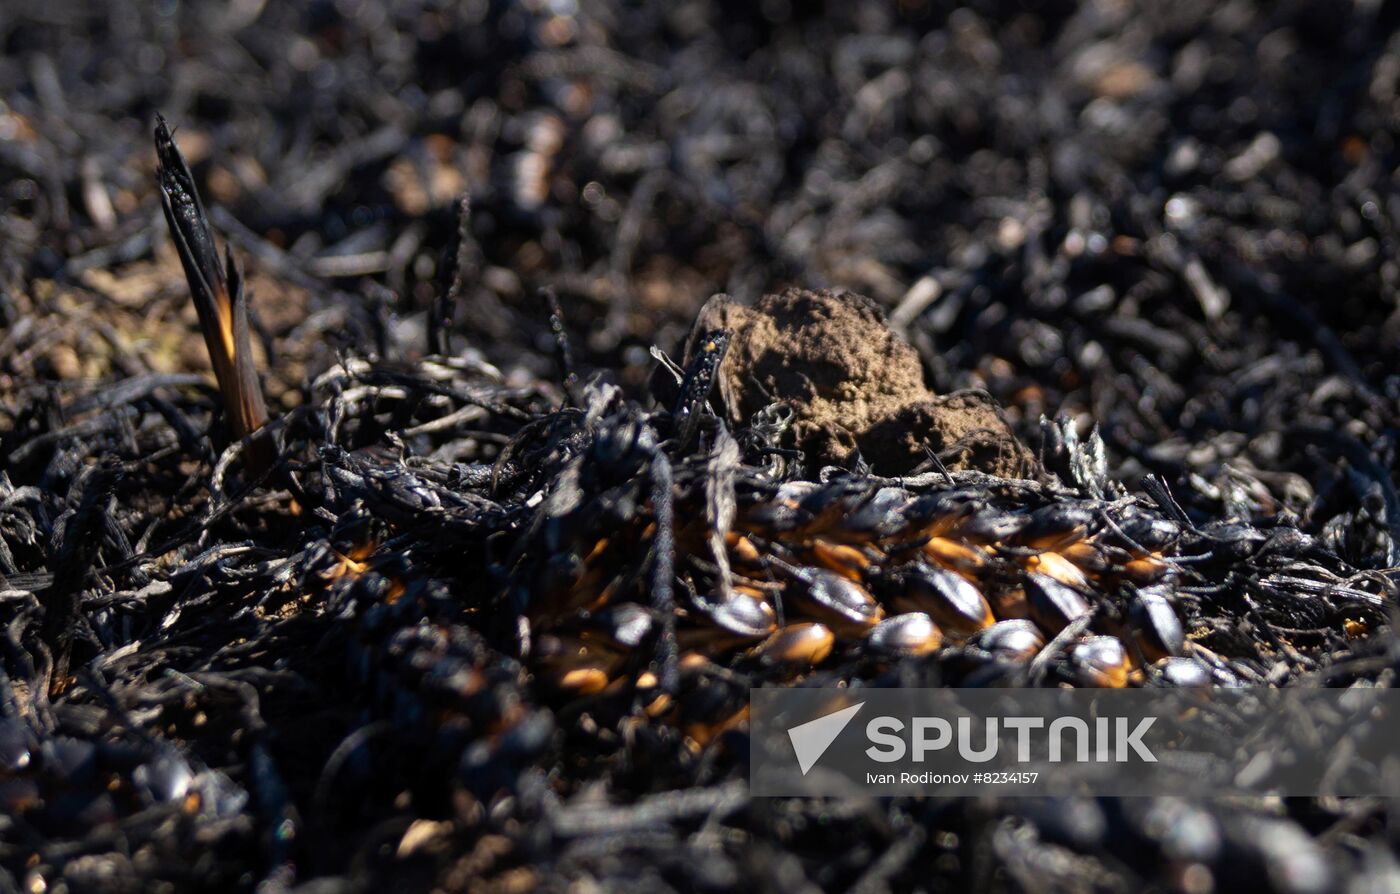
(854, 385)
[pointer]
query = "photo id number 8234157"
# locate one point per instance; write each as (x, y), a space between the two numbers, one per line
(1027, 777)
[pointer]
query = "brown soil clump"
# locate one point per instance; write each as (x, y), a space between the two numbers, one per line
(854, 386)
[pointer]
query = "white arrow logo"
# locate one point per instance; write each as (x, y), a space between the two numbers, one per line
(811, 739)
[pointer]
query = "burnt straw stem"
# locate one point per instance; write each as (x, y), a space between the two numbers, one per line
(219, 299)
(72, 560)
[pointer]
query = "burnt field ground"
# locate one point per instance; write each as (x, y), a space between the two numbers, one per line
(478, 607)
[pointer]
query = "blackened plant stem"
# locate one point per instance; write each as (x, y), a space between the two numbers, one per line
(217, 291)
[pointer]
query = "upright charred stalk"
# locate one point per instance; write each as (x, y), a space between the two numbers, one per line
(218, 296)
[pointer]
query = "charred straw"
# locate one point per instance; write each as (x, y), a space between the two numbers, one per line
(219, 298)
(259, 698)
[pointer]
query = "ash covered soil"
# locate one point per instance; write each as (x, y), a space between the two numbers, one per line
(1020, 296)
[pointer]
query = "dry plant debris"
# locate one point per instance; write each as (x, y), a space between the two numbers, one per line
(489, 619)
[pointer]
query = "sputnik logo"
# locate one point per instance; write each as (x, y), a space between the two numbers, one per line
(810, 740)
